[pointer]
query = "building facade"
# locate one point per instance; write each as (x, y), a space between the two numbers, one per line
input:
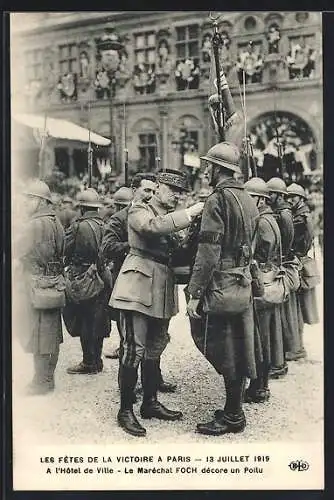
(149, 92)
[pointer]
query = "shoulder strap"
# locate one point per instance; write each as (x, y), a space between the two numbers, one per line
(250, 244)
(94, 232)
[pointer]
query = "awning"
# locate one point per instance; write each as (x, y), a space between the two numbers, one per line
(60, 129)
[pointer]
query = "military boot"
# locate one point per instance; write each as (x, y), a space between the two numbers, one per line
(224, 424)
(125, 417)
(164, 386)
(151, 407)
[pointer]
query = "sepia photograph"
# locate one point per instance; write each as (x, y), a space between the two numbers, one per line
(167, 250)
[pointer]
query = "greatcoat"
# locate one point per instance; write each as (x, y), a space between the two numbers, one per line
(268, 320)
(302, 244)
(227, 341)
(146, 282)
(81, 250)
(40, 243)
(289, 309)
(115, 246)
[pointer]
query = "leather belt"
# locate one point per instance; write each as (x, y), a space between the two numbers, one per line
(160, 259)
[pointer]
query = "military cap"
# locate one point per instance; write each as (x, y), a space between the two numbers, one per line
(173, 178)
(224, 154)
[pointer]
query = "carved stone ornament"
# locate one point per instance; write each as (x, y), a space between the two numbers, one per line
(67, 87)
(187, 74)
(144, 78)
(164, 64)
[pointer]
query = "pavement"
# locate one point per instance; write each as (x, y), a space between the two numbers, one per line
(83, 408)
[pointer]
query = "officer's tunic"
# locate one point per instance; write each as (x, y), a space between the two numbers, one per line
(89, 318)
(41, 242)
(230, 344)
(268, 319)
(144, 289)
(304, 237)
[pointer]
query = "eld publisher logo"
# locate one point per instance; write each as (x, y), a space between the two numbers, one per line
(299, 465)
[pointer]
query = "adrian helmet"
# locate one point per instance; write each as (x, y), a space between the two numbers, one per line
(296, 189)
(276, 185)
(38, 188)
(123, 196)
(257, 187)
(224, 154)
(89, 198)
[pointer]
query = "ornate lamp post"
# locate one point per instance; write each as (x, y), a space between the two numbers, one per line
(110, 47)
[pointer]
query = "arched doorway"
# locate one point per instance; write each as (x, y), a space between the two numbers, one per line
(283, 142)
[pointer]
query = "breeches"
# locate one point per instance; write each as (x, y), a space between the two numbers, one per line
(141, 337)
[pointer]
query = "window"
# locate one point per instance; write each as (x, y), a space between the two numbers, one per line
(68, 58)
(34, 64)
(301, 57)
(148, 152)
(250, 62)
(187, 42)
(145, 48)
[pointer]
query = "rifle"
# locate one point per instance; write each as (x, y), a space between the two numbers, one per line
(221, 105)
(89, 151)
(126, 152)
(247, 162)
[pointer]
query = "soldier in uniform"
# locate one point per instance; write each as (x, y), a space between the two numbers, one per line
(66, 213)
(115, 246)
(89, 319)
(144, 293)
(267, 253)
(39, 249)
(226, 340)
(282, 211)
(108, 208)
(302, 243)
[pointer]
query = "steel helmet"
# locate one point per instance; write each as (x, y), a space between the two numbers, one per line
(296, 189)
(123, 196)
(38, 188)
(224, 154)
(257, 187)
(89, 198)
(67, 199)
(277, 185)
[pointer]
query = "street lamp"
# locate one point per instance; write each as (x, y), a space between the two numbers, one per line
(110, 47)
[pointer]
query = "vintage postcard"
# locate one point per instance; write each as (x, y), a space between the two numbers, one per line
(167, 249)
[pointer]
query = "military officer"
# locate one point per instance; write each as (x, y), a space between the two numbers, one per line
(302, 243)
(267, 253)
(282, 211)
(144, 293)
(226, 340)
(88, 319)
(39, 248)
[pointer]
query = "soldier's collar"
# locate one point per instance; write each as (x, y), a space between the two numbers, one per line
(264, 209)
(90, 214)
(229, 183)
(44, 212)
(156, 203)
